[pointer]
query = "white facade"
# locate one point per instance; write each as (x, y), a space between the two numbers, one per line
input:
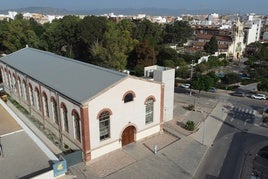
(124, 114)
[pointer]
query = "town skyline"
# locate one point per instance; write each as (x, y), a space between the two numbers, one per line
(237, 6)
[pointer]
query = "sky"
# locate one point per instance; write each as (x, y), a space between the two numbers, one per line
(249, 6)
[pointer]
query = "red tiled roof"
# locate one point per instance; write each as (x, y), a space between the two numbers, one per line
(218, 37)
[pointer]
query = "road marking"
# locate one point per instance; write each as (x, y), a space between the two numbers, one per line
(245, 123)
(4, 135)
(247, 111)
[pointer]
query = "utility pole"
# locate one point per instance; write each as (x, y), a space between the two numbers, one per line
(191, 76)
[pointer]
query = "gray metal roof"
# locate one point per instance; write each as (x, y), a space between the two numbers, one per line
(74, 79)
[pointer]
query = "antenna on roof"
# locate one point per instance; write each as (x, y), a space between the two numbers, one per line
(27, 46)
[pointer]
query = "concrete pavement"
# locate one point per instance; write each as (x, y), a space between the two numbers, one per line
(180, 153)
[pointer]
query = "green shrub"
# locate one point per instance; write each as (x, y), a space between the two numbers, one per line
(190, 107)
(190, 125)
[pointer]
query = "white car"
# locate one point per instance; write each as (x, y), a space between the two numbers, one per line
(258, 96)
(187, 85)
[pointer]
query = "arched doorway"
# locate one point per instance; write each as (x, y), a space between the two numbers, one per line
(128, 135)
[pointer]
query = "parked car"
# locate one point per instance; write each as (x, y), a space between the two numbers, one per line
(238, 93)
(212, 89)
(187, 85)
(258, 96)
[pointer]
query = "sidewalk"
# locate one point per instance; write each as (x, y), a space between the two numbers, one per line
(179, 151)
(209, 128)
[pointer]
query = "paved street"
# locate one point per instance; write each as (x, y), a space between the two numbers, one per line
(241, 131)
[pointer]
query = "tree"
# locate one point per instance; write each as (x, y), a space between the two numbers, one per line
(61, 36)
(212, 46)
(231, 78)
(16, 34)
(147, 31)
(167, 55)
(214, 77)
(178, 32)
(91, 30)
(143, 55)
(202, 82)
(113, 50)
(263, 86)
(183, 72)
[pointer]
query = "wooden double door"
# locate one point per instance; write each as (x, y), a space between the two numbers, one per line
(128, 135)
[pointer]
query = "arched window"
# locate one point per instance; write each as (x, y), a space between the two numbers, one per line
(24, 90)
(6, 78)
(77, 133)
(104, 125)
(149, 111)
(45, 105)
(19, 87)
(65, 118)
(31, 95)
(55, 110)
(10, 80)
(37, 97)
(14, 85)
(129, 96)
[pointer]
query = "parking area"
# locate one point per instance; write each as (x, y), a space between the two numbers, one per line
(20, 155)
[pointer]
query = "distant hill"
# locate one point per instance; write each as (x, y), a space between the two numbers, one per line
(117, 11)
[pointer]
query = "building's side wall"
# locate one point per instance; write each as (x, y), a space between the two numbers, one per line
(166, 76)
(168, 80)
(124, 114)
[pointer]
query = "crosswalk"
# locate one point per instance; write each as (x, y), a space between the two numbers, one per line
(244, 116)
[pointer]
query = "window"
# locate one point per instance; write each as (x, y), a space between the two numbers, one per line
(45, 104)
(10, 80)
(65, 118)
(6, 77)
(55, 111)
(149, 111)
(14, 84)
(37, 97)
(76, 126)
(104, 124)
(31, 95)
(24, 90)
(128, 98)
(19, 87)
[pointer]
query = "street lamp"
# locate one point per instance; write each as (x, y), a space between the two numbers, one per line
(191, 76)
